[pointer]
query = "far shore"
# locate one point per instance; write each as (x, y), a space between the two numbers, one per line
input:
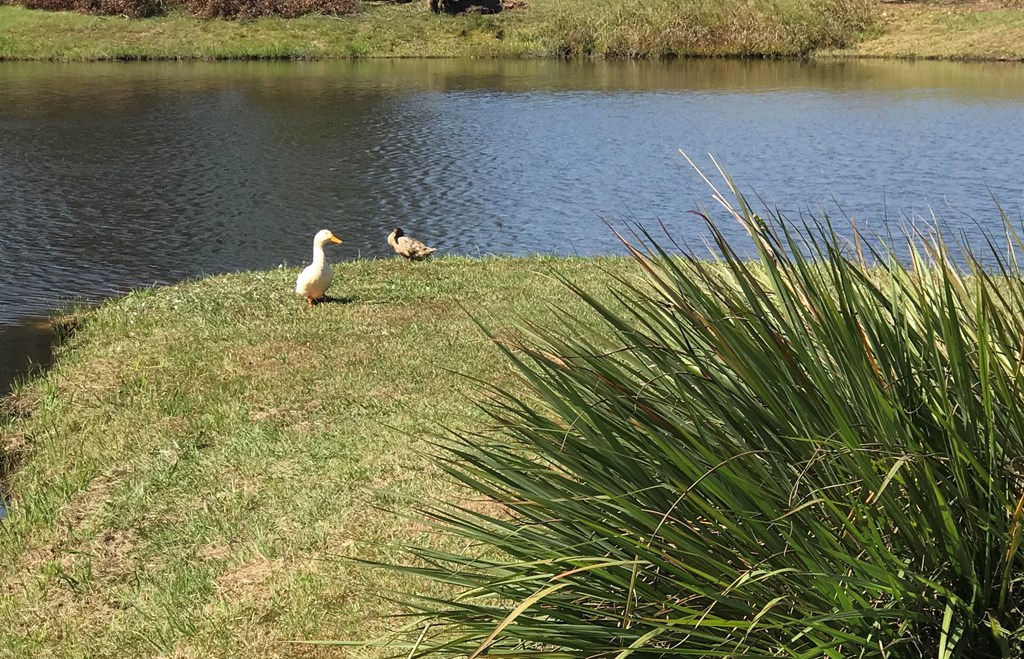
(971, 31)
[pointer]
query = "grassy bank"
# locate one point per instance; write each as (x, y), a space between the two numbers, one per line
(967, 31)
(201, 455)
(547, 28)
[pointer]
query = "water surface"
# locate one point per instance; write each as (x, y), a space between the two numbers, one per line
(114, 176)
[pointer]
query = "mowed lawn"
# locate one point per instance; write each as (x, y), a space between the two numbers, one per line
(204, 459)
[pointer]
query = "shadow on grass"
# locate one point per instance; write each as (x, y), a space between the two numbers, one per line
(328, 299)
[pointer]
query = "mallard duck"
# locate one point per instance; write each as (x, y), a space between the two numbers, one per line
(410, 248)
(314, 281)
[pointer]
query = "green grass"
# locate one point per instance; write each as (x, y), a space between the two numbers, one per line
(821, 444)
(201, 456)
(547, 28)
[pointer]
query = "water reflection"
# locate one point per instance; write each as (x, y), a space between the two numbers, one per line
(980, 81)
(114, 176)
(25, 346)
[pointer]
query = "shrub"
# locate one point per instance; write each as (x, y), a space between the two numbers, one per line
(787, 457)
(242, 9)
(130, 8)
(249, 9)
(465, 6)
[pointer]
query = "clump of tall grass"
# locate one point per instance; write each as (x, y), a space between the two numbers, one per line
(817, 453)
(666, 28)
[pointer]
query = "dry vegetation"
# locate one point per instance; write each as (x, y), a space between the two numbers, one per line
(233, 9)
(946, 29)
(252, 9)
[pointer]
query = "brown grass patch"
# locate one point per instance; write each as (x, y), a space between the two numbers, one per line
(248, 581)
(83, 605)
(112, 555)
(269, 413)
(233, 481)
(270, 359)
(84, 503)
(214, 552)
(918, 6)
(19, 405)
(479, 506)
(91, 381)
(14, 446)
(487, 506)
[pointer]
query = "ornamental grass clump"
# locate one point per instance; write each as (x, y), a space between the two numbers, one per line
(671, 28)
(815, 453)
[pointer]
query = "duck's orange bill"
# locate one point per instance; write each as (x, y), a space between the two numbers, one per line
(335, 239)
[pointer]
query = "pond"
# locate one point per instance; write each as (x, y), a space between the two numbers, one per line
(115, 176)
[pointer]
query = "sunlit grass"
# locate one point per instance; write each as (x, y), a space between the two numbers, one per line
(202, 457)
(946, 31)
(547, 28)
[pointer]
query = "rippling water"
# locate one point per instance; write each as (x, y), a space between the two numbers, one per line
(114, 176)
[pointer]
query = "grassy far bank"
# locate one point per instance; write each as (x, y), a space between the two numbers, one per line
(932, 30)
(546, 28)
(202, 456)
(979, 29)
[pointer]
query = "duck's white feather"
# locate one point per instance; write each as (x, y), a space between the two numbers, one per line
(316, 278)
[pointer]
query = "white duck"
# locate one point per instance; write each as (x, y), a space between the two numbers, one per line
(314, 281)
